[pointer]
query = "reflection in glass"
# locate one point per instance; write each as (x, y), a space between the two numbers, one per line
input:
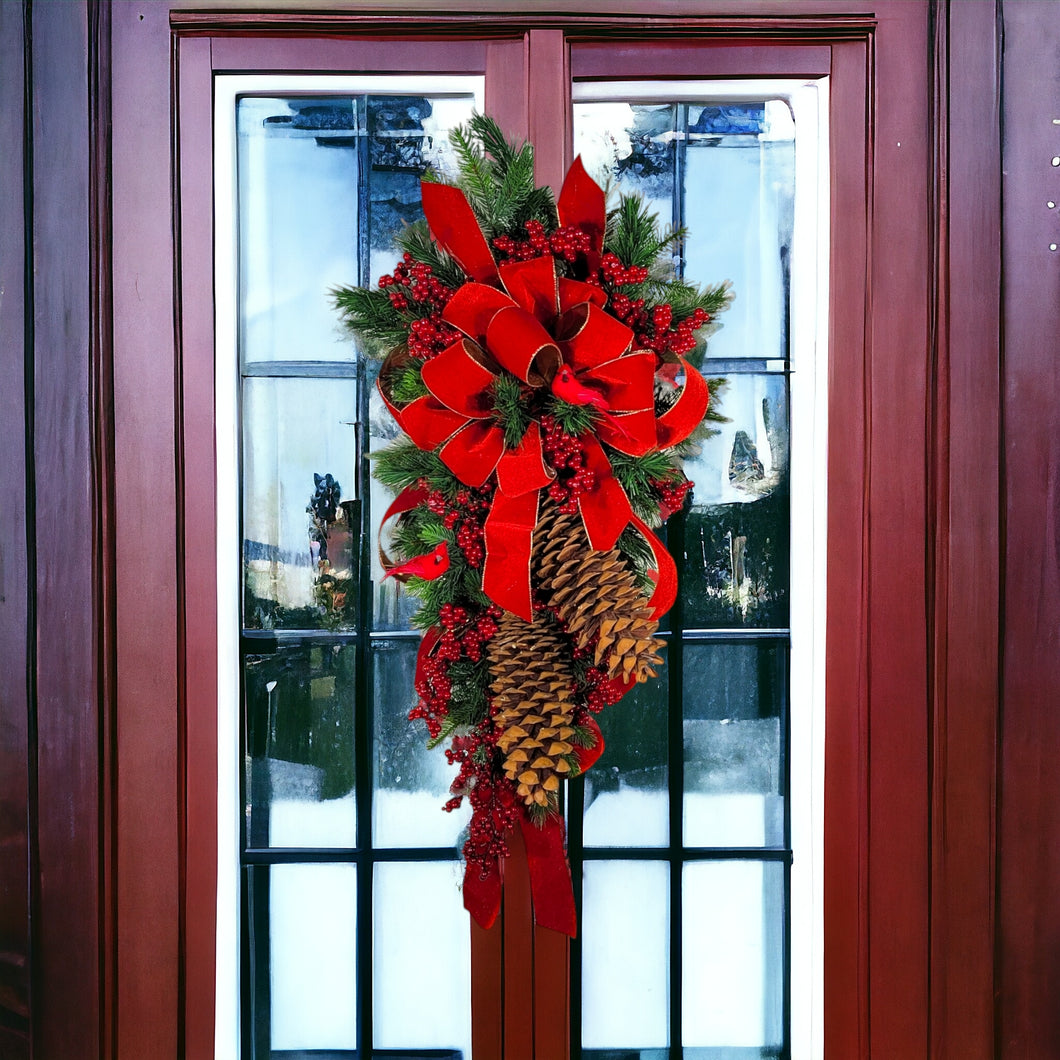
(305, 977)
(407, 777)
(733, 946)
(737, 536)
(392, 606)
(406, 136)
(421, 959)
(300, 529)
(298, 224)
(734, 746)
(626, 791)
(740, 211)
(625, 954)
(631, 148)
(725, 172)
(299, 746)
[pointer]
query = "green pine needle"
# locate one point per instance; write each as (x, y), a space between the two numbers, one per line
(449, 726)
(510, 405)
(571, 419)
(403, 464)
(370, 316)
(638, 556)
(637, 475)
(633, 233)
(497, 177)
(405, 383)
(415, 239)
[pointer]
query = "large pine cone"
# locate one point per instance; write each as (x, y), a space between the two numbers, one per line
(532, 693)
(595, 595)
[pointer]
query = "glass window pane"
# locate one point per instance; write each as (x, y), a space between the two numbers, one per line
(421, 958)
(737, 534)
(632, 148)
(733, 945)
(299, 746)
(406, 136)
(626, 792)
(734, 744)
(410, 781)
(300, 526)
(625, 955)
(298, 224)
(739, 212)
(303, 972)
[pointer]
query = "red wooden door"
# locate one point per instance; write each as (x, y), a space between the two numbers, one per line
(889, 659)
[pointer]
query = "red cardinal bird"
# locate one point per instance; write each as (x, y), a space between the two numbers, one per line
(567, 388)
(429, 566)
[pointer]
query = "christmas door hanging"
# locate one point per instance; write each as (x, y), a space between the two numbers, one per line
(539, 356)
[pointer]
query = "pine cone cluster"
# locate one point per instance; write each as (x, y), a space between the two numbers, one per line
(532, 690)
(596, 597)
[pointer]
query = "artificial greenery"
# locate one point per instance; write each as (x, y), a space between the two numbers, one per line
(510, 406)
(498, 179)
(404, 464)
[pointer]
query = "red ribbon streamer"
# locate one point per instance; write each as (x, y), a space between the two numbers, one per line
(455, 228)
(482, 892)
(550, 882)
(508, 535)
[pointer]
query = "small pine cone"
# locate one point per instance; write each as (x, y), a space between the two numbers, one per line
(531, 686)
(595, 595)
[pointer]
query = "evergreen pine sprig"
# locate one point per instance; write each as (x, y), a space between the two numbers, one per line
(403, 464)
(372, 317)
(417, 532)
(638, 557)
(498, 179)
(571, 419)
(415, 239)
(405, 383)
(638, 475)
(633, 235)
(510, 405)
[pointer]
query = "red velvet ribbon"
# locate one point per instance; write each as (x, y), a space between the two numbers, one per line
(482, 892)
(550, 882)
(581, 205)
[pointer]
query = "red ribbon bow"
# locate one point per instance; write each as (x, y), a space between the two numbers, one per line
(526, 319)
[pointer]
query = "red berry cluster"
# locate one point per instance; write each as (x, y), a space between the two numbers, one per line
(565, 243)
(563, 450)
(466, 514)
(414, 281)
(434, 689)
(494, 807)
(615, 274)
(601, 691)
(469, 538)
(566, 455)
(653, 329)
(568, 242)
(672, 492)
(429, 335)
(536, 244)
